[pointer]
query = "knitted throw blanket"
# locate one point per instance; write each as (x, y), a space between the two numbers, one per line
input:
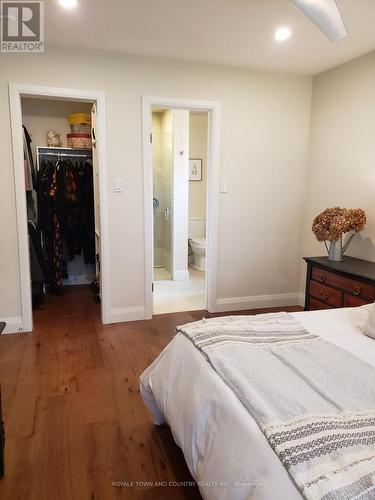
(314, 402)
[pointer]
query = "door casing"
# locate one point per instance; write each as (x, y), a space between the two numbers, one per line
(16, 92)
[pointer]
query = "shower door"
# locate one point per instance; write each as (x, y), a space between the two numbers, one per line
(162, 158)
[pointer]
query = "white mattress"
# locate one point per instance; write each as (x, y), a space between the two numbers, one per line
(221, 442)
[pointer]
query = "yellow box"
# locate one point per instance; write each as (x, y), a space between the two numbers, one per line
(79, 119)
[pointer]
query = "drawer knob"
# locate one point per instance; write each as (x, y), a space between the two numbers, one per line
(357, 290)
(324, 295)
(323, 278)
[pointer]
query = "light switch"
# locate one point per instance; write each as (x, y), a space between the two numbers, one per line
(223, 187)
(117, 184)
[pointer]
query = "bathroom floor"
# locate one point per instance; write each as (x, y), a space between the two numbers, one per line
(175, 296)
(160, 273)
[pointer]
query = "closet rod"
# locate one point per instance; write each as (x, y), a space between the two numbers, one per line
(69, 155)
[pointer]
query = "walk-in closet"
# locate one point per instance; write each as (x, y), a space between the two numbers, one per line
(62, 197)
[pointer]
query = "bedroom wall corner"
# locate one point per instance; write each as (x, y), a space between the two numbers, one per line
(342, 151)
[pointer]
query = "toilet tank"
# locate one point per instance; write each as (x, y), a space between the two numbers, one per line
(197, 227)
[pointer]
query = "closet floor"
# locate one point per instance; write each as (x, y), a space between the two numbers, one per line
(75, 423)
(75, 303)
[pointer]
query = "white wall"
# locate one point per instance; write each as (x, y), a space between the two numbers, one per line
(342, 150)
(180, 193)
(198, 127)
(264, 144)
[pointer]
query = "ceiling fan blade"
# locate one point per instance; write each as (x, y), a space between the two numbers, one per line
(325, 15)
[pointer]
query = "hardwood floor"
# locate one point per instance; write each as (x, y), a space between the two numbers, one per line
(74, 419)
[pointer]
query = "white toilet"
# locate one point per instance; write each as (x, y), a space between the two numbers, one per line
(198, 246)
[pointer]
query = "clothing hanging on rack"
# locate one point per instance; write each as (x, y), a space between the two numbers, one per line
(87, 211)
(38, 264)
(66, 214)
(30, 175)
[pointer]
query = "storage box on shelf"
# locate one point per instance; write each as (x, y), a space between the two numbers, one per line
(79, 141)
(80, 128)
(79, 119)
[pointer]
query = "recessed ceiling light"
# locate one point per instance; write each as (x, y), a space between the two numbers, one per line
(68, 4)
(282, 34)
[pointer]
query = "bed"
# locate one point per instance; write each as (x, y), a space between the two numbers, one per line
(224, 448)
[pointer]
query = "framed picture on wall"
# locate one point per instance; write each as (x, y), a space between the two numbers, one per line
(195, 169)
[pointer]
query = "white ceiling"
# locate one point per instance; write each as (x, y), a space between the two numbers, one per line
(235, 32)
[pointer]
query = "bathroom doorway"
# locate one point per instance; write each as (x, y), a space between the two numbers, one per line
(213, 110)
(179, 161)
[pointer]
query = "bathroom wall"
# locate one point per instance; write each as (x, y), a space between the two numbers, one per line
(198, 127)
(162, 151)
(180, 193)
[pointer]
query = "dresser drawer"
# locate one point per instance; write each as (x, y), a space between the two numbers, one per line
(351, 301)
(357, 288)
(325, 293)
(315, 305)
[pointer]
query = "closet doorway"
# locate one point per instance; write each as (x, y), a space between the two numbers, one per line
(61, 199)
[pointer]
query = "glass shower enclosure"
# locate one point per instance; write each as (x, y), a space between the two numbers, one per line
(162, 163)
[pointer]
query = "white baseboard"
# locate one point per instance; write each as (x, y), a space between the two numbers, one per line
(13, 324)
(135, 313)
(301, 299)
(181, 275)
(259, 302)
(122, 314)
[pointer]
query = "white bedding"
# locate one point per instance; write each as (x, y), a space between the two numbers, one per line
(221, 442)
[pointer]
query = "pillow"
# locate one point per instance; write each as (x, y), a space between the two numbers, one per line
(361, 315)
(369, 328)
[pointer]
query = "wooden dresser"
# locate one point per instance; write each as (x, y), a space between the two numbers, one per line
(330, 284)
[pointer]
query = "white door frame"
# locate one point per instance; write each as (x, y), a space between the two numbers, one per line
(16, 91)
(214, 116)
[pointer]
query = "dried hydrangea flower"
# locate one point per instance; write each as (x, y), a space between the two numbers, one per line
(333, 222)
